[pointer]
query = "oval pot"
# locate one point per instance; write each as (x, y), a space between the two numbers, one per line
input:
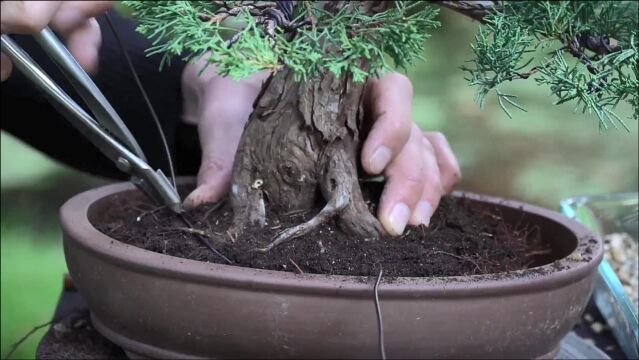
(159, 306)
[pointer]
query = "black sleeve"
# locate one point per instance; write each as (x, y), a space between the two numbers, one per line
(27, 115)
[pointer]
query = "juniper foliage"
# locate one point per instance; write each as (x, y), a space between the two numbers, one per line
(347, 40)
(582, 51)
(589, 53)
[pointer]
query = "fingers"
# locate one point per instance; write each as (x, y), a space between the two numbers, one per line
(416, 182)
(446, 160)
(84, 43)
(417, 178)
(390, 100)
(73, 19)
(23, 17)
(26, 17)
(405, 185)
(73, 15)
(432, 188)
(5, 67)
(224, 107)
(441, 174)
(419, 168)
(76, 23)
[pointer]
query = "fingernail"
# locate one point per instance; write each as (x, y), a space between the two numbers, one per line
(422, 213)
(192, 200)
(379, 160)
(398, 218)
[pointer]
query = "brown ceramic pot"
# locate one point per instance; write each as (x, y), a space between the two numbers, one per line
(160, 306)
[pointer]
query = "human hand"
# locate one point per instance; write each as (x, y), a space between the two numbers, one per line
(74, 20)
(220, 106)
(419, 168)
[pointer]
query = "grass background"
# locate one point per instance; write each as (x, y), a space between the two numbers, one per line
(539, 156)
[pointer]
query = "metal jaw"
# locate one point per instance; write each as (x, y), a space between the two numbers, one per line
(152, 182)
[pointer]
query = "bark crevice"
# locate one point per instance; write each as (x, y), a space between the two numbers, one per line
(300, 142)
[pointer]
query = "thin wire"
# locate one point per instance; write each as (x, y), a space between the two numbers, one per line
(378, 310)
(204, 241)
(146, 98)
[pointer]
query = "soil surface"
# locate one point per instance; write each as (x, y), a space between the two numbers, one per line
(75, 338)
(462, 239)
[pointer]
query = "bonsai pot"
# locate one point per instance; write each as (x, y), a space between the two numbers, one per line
(159, 306)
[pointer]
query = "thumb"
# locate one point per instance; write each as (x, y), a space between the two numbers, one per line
(224, 108)
(220, 129)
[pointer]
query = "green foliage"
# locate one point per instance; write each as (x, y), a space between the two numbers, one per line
(500, 47)
(591, 53)
(346, 41)
(582, 51)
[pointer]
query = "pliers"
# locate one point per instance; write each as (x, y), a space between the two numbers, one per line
(106, 131)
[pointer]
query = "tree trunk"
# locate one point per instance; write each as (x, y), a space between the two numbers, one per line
(300, 143)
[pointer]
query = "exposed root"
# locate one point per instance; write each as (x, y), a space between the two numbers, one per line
(149, 212)
(203, 240)
(463, 258)
(213, 207)
(341, 180)
(333, 208)
(340, 186)
(195, 231)
(301, 138)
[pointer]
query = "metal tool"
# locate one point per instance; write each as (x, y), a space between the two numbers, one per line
(107, 131)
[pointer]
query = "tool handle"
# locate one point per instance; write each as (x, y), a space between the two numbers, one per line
(86, 88)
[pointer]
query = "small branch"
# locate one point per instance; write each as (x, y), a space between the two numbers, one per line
(476, 10)
(231, 236)
(309, 13)
(26, 336)
(600, 45)
(149, 212)
(204, 240)
(213, 207)
(533, 70)
(461, 258)
(195, 231)
(296, 266)
(234, 38)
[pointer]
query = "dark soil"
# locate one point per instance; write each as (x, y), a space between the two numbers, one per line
(75, 338)
(462, 239)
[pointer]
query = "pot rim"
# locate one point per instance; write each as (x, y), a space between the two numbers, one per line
(78, 231)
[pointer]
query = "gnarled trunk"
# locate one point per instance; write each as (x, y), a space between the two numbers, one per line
(301, 142)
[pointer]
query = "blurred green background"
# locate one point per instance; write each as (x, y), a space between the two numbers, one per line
(539, 156)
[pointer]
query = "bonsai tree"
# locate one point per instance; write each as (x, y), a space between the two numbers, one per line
(302, 139)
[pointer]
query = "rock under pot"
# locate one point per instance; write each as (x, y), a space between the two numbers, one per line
(159, 306)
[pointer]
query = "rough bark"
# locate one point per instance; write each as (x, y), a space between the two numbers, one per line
(300, 146)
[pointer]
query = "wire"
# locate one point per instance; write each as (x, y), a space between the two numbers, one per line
(204, 241)
(378, 310)
(146, 98)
